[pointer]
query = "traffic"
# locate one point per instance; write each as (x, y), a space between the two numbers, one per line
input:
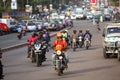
(78, 42)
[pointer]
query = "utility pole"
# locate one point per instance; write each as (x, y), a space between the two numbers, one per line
(27, 2)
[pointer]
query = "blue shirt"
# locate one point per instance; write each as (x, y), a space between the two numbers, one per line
(19, 29)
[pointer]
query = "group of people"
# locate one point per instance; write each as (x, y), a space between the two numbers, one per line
(63, 40)
(38, 38)
(85, 35)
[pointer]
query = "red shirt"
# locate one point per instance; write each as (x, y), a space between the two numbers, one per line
(32, 39)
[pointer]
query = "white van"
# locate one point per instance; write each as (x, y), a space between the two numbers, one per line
(6, 21)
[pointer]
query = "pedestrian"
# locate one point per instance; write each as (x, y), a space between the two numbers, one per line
(1, 66)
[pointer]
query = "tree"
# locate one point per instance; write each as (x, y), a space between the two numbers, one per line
(115, 2)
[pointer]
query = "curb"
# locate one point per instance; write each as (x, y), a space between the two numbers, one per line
(25, 44)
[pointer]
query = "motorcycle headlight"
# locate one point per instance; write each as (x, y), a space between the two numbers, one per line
(58, 52)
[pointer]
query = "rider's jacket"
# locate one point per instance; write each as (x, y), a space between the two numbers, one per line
(19, 29)
(74, 36)
(80, 34)
(87, 35)
(32, 39)
(61, 42)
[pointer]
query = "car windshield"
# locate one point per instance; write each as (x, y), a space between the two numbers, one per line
(113, 30)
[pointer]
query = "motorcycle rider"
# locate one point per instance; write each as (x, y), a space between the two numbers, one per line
(75, 36)
(24, 30)
(33, 37)
(40, 41)
(81, 34)
(60, 41)
(65, 36)
(19, 30)
(46, 37)
(98, 26)
(88, 35)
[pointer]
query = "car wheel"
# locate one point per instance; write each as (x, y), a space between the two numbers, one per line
(118, 56)
(105, 54)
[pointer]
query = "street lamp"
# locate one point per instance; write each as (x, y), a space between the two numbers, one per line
(4, 2)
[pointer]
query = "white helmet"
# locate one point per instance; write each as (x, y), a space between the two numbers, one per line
(66, 30)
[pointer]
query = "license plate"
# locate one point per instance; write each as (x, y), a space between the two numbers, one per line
(60, 57)
(80, 40)
(36, 51)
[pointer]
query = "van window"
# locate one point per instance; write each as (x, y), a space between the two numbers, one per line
(113, 30)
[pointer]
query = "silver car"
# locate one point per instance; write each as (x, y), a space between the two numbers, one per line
(31, 26)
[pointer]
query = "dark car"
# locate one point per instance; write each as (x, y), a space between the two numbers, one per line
(53, 25)
(107, 17)
(59, 23)
(96, 18)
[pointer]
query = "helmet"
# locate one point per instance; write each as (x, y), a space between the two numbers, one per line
(33, 33)
(87, 30)
(74, 31)
(80, 30)
(66, 30)
(59, 34)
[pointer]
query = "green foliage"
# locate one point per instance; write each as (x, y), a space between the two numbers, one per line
(115, 2)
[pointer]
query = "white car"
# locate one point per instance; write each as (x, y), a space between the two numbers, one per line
(79, 15)
(73, 15)
(111, 40)
(89, 15)
(31, 26)
(62, 16)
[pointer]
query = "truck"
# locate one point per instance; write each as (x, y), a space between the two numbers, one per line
(111, 40)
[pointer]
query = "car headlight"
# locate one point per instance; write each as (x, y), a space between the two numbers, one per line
(58, 52)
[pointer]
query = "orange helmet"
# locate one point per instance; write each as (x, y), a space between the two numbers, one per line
(58, 47)
(59, 34)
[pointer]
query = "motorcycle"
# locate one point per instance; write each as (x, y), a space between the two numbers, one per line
(19, 35)
(32, 53)
(60, 62)
(87, 43)
(39, 50)
(80, 38)
(74, 44)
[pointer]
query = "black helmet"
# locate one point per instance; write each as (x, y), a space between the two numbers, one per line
(74, 31)
(87, 31)
(80, 30)
(33, 33)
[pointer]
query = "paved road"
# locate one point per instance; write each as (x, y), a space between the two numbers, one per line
(84, 64)
(11, 39)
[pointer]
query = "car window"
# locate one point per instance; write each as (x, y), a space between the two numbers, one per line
(12, 23)
(113, 30)
(31, 23)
